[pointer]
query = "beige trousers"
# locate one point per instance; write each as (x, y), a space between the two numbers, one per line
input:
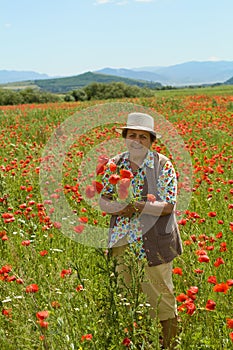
(157, 285)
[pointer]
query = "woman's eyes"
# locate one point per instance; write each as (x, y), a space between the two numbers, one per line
(141, 137)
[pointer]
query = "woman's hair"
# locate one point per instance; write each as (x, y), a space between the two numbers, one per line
(124, 133)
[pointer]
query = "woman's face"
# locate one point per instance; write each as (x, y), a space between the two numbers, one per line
(138, 141)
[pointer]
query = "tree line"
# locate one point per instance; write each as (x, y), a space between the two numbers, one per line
(93, 91)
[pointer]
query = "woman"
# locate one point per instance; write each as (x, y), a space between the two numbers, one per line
(147, 221)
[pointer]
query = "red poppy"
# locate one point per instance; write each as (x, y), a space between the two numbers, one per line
(43, 324)
(86, 337)
(126, 174)
(43, 252)
(32, 288)
(212, 214)
(182, 297)
(57, 225)
(79, 228)
(177, 271)
(90, 191)
(230, 323)
(204, 258)
(210, 305)
(7, 312)
(79, 288)
(112, 167)
(98, 186)
(65, 272)
(83, 219)
(221, 288)
(42, 315)
(26, 243)
(231, 336)
(114, 178)
(218, 262)
(126, 342)
(212, 279)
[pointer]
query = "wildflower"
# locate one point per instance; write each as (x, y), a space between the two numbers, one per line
(230, 323)
(218, 262)
(212, 214)
(112, 167)
(65, 272)
(177, 271)
(79, 228)
(26, 243)
(83, 219)
(210, 305)
(182, 297)
(55, 304)
(32, 288)
(86, 337)
(43, 252)
(182, 222)
(43, 324)
(7, 312)
(126, 174)
(98, 186)
(90, 191)
(79, 288)
(204, 258)
(57, 225)
(212, 279)
(221, 288)
(113, 179)
(42, 315)
(126, 342)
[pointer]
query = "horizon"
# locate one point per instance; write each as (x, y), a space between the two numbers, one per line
(65, 39)
(114, 68)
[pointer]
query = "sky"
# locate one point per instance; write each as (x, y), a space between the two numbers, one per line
(70, 37)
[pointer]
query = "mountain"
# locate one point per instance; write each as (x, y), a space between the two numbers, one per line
(8, 76)
(188, 73)
(132, 74)
(82, 80)
(63, 85)
(229, 81)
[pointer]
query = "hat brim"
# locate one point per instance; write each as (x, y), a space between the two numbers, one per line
(157, 135)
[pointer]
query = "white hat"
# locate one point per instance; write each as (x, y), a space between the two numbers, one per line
(140, 121)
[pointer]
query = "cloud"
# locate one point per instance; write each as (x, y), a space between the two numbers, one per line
(144, 0)
(102, 2)
(214, 59)
(7, 25)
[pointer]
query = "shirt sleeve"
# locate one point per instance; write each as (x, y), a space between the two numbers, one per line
(167, 183)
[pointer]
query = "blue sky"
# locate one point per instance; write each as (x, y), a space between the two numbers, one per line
(68, 37)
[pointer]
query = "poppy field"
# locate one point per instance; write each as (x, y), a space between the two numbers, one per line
(59, 291)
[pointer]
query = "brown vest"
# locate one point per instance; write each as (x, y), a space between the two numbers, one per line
(161, 235)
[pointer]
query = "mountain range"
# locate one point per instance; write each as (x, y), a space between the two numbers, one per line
(188, 73)
(184, 74)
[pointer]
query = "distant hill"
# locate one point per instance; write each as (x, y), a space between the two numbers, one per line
(132, 74)
(229, 81)
(9, 76)
(63, 85)
(188, 73)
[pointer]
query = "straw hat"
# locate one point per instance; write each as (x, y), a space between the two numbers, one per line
(140, 121)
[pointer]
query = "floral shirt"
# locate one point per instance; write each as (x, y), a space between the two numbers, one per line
(166, 186)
